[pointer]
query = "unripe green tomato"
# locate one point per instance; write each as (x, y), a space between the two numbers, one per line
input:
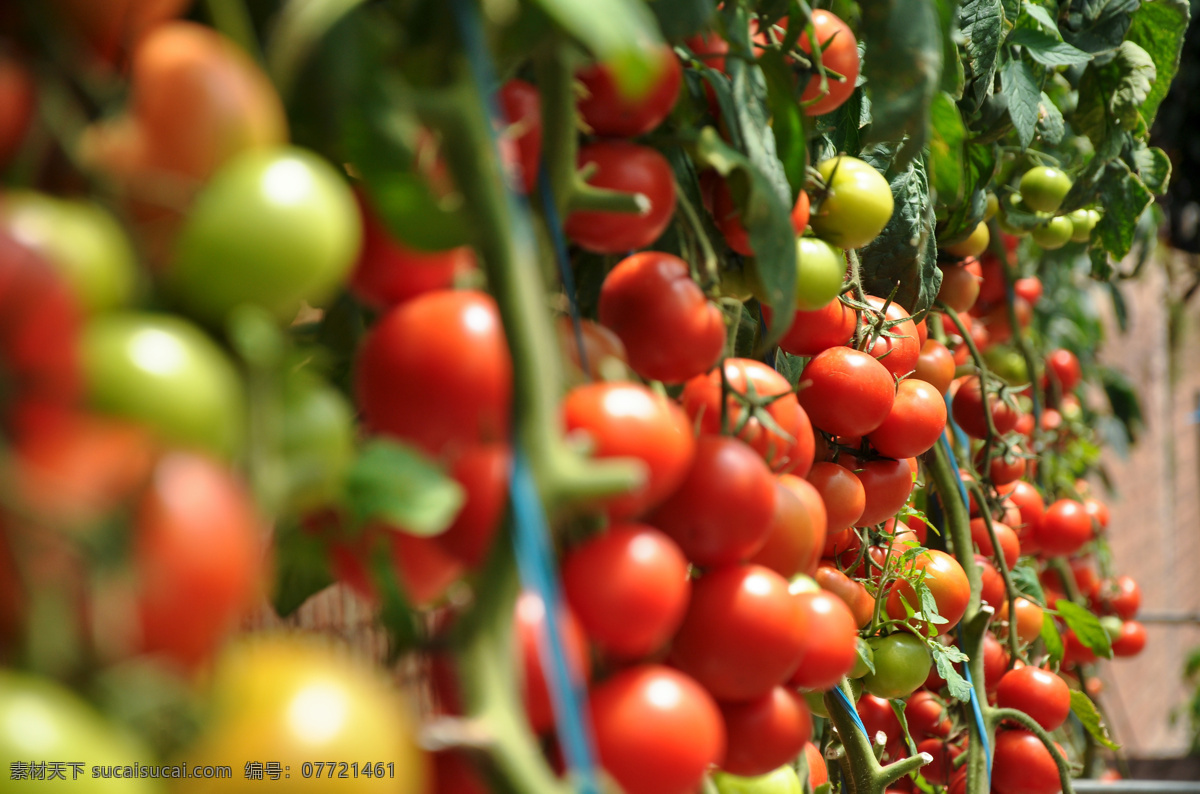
(1112, 626)
(164, 372)
(82, 240)
(743, 283)
(1054, 234)
(975, 244)
(1009, 364)
(902, 663)
(1082, 223)
(857, 204)
(820, 270)
(318, 441)
(782, 781)
(865, 654)
(273, 228)
(993, 207)
(1043, 188)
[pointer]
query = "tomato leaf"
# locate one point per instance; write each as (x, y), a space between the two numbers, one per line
(1085, 711)
(787, 122)
(1086, 627)
(1097, 25)
(981, 23)
(948, 134)
(1158, 27)
(953, 74)
(1153, 166)
(1023, 95)
(945, 657)
(1050, 125)
(621, 33)
(1047, 49)
(398, 485)
(1025, 579)
(679, 18)
(302, 562)
(1124, 197)
(1040, 15)
(1051, 638)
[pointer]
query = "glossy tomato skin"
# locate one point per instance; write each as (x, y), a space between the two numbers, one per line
(670, 330)
(530, 625)
(1010, 544)
(1063, 368)
(820, 271)
(991, 589)
(849, 392)
(1021, 764)
(611, 114)
(722, 511)
(967, 409)
(946, 580)
(791, 451)
(886, 486)
(521, 105)
(902, 663)
(829, 646)
(436, 371)
(857, 203)
(797, 534)
(839, 53)
(628, 168)
(627, 420)
(629, 588)
(899, 353)
(812, 332)
(960, 287)
(1132, 639)
(915, 422)
(1122, 597)
(927, 715)
(782, 780)
(765, 733)
(877, 717)
(483, 472)
(935, 365)
(1028, 619)
(842, 493)
(1043, 188)
(657, 731)
(1041, 694)
(1064, 528)
(743, 633)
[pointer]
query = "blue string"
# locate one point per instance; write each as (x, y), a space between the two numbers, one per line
(559, 242)
(842, 697)
(535, 557)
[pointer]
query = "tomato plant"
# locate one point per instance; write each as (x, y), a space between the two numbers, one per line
(902, 663)
(627, 168)
(609, 113)
(839, 57)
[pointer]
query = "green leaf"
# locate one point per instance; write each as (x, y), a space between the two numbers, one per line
(1085, 711)
(399, 486)
(1025, 579)
(680, 18)
(948, 135)
(1135, 72)
(903, 66)
(1040, 15)
(1047, 49)
(787, 120)
(1097, 25)
(1153, 167)
(953, 73)
(1086, 627)
(1023, 97)
(1124, 197)
(1051, 126)
(981, 23)
(980, 164)
(1051, 638)
(302, 561)
(944, 658)
(621, 33)
(1158, 27)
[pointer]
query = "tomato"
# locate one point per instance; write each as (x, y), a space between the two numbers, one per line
(992, 590)
(1028, 619)
(849, 393)
(939, 770)
(946, 580)
(423, 568)
(829, 643)
(298, 700)
(898, 353)
(902, 662)
(856, 205)
(915, 422)
(710, 48)
(935, 365)
(960, 288)
(790, 450)
(1082, 223)
(839, 55)
(886, 486)
(18, 97)
(626, 168)
(530, 628)
(1131, 640)
(611, 113)
(1029, 288)
(765, 733)
(82, 240)
(1010, 544)
(1054, 233)
(1064, 528)
(388, 271)
(927, 715)
(877, 717)
(199, 554)
(629, 587)
(453, 773)
(843, 495)
(483, 472)
(601, 347)
(40, 721)
(272, 228)
(1098, 511)
(627, 420)
(1043, 188)
(778, 781)
(743, 634)
(820, 270)
(522, 108)
(112, 31)
(967, 409)
(974, 244)
(317, 441)
(1039, 693)
(1074, 651)
(1021, 764)
(436, 371)
(164, 372)
(995, 662)
(1063, 368)
(797, 534)
(812, 332)
(723, 510)
(671, 332)
(1122, 597)
(818, 772)
(1030, 504)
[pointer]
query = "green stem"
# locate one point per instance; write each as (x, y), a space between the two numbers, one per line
(583, 197)
(231, 18)
(861, 770)
(555, 71)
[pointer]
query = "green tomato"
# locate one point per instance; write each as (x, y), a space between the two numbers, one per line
(41, 721)
(273, 228)
(783, 780)
(1044, 188)
(1009, 364)
(1112, 626)
(318, 441)
(742, 284)
(1082, 223)
(902, 663)
(993, 207)
(865, 655)
(1054, 234)
(164, 372)
(974, 245)
(856, 206)
(81, 239)
(820, 270)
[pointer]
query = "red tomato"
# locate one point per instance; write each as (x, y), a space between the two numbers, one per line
(627, 168)
(935, 365)
(629, 587)
(1074, 651)
(1098, 511)
(113, 29)
(530, 626)
(849, 393)
(992, 590)
(829, 642)
(812, 332)
(944, 754)
(389, 272)
(627, 420)
(483, 473)
(1029, 617)
(818, 772)
(522, 109)
(1010, 545)
(611, 113)
(946, 580)
(743, 634)
(1064, 528)
(995, 662)
(886, 486)
(1039, 693)
(723, 510)
(1131, 640)
(1029, 289)
(1021, 764)
(765, 733)
(839, 54)
(18, 97)
(843, 495)
(200, 557)
(797, 534)
(1122, 597)
(710, 48)
(915, 422)
(749, 380)
(851, 593)
(898, 353)
(728, 218)
(1063, 368)
(960, 288)
(423, 568)
(968, 410)
(1004, 469)
(599, 345)
(671, 332)
(877, 717)
(1031, 506)
(453, 773)
(927, 715)
(657, 731)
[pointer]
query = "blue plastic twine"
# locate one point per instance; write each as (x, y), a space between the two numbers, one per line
(559, 242)
(841, 696)
(535, 557)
